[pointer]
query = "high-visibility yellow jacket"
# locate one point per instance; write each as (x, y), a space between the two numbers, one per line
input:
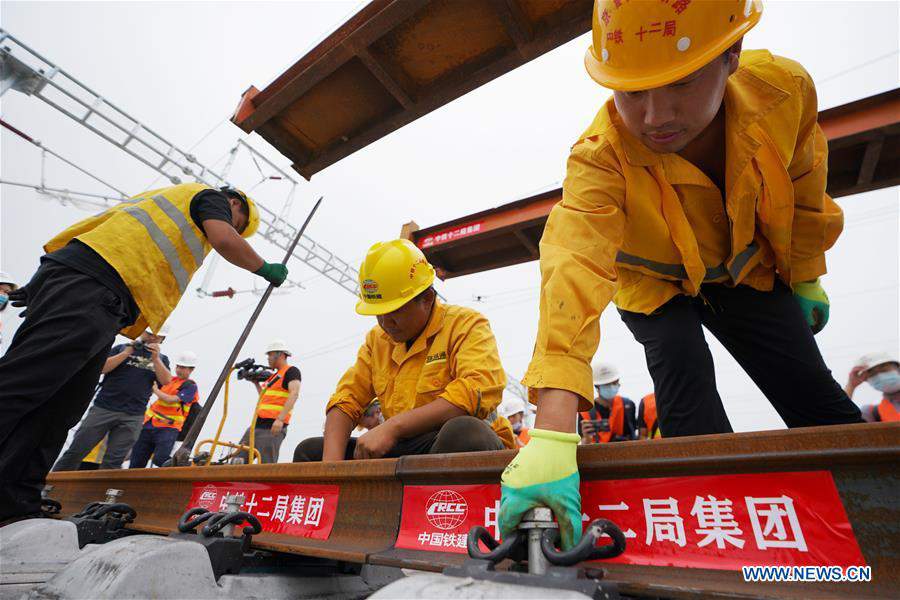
(163, 413)
(152, 243)
(639, 228)
(274, 396)
(455, 358)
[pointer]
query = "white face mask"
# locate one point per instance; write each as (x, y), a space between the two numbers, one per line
(886, 383)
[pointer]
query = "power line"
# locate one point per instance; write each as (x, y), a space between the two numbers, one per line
(860, 65)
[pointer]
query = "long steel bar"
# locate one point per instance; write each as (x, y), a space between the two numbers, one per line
(182, 456)
(863, 460)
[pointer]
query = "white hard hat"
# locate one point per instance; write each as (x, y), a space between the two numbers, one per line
(511, 406)
(164, 331)
(278, 346)
(605, 373)
(874, 359)
(7, 278)
(186, 359)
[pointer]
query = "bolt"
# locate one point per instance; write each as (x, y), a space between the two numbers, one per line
(233, 503)
(46, 491)
(112, 495)
(534, 523)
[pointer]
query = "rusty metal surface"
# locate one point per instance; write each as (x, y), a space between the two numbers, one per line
(864, 155)
(864, 460)
(395, 61)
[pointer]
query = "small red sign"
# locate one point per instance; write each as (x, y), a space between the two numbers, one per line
(709, 522)
(300, 510)
(449, 235)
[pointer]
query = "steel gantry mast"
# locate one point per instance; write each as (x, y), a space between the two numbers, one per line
(24, 70)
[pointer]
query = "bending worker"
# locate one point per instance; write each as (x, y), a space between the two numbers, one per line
(165, 418)
(273, 411)
(434, 368)
(695, 198)
(121, 270)
(881, 371)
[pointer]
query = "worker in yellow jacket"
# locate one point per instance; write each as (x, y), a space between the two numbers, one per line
(122, 270)
(434, 368)
(695, 198)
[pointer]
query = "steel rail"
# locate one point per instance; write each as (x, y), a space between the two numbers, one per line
(863, 460)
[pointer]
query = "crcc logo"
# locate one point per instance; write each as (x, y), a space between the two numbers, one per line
(446, 509)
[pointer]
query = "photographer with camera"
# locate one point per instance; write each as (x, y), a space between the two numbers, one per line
(612, 417)
(129, 375)
(279, 391)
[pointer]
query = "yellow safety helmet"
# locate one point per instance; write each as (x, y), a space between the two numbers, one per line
(252, 211)
(392, 274)
(641, 45)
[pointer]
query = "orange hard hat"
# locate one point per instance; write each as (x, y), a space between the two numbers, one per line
(644, 44)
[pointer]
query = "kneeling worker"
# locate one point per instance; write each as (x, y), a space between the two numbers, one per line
(124, 269)
(273, 412)
(165, 418)
(434, 368)
(696, 199)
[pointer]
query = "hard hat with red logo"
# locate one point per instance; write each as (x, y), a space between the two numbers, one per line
(640, 45)
(392, 274)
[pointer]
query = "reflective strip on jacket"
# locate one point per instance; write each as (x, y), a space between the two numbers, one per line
(275, 395)
(639, 228)
(152, 243)
(651, 422)
(455, 358)
(163, 413)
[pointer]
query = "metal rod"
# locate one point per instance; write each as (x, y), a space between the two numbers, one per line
(183, 455)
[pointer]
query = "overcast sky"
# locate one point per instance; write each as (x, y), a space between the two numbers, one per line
(181, 68)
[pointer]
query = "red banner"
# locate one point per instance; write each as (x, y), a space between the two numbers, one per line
(709, 522)
(448, 235)
(301, 510)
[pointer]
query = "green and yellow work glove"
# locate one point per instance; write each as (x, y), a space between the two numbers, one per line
(274, 273)
(813, 302)
(543, 473)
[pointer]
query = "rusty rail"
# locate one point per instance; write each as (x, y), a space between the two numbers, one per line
(863, 460)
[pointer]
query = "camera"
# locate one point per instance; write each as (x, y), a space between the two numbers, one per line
(138, 345)
(249, 371)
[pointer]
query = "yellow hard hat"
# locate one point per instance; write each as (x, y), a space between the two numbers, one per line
(640, 45)
(252, 211)
(392, 274)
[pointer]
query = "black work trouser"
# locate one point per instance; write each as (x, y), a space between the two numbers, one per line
(48, 376)
(765, 332)
(459, 434)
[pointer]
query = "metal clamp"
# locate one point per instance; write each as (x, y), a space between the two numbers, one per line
(100, 522)
(537, 537)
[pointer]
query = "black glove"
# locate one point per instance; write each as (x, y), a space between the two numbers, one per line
(19, 297)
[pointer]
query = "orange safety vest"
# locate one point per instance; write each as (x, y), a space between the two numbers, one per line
(616, 421)
(523, 436)
(274, 397)
(887, 412)
(163, 413)
(650, 418)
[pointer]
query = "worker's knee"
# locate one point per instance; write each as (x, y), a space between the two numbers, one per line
(309, 450)
(465, 434)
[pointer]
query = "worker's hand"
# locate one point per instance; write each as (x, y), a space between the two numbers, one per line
(277, 426)
(856, 377)
(587, 430)
(154, 350)
(543, 473)
(813, 302)
(155, 388)
(375, 443)
(274, 273)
